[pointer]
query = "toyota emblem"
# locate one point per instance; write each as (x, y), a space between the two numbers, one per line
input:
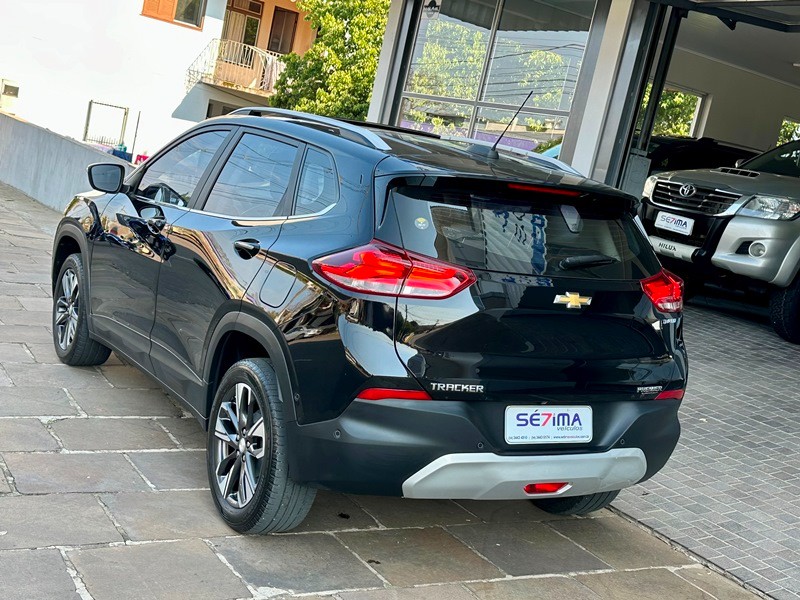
(687, 190)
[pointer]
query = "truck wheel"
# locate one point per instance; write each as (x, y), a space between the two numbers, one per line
(248, 462)
(576, 505)
(784, 312)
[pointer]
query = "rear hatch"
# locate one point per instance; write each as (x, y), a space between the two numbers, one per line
(557, 312)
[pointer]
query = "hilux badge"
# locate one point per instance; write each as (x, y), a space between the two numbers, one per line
(573, 300)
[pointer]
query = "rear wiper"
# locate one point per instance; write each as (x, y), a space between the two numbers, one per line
(586, 260)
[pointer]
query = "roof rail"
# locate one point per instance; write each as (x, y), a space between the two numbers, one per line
(346, 130)
(394, 128)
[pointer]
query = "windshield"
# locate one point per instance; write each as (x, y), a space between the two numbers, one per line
(525, 235)
(783, 160)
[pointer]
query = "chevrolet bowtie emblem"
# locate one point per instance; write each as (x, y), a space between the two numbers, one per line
(573, 300)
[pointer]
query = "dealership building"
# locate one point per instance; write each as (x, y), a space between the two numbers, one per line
(598, 79)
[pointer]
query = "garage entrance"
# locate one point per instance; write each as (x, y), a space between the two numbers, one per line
(720, 82)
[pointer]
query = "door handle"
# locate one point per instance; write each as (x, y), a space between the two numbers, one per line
(247, 248)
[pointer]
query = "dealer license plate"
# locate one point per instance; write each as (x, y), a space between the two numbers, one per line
(548, 424)
(676, 223)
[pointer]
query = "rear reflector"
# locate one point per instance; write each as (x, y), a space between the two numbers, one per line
(392, 394)
(541, 189)
(543, 488)
(671, 395)
(665, 290)
(386, 270)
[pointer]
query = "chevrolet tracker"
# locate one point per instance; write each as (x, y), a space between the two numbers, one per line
(372, 310)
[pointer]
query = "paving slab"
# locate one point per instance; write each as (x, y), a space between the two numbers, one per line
(406, 557)
(59, 473)
(160, 571)
(14, 353)
(648, 584)
(115, 402)
(620, 544)
(111, 434)
(28, 574)
(166, 515)
(44, 353)
(23, 435)
(430, 592)
(25, 333)
(715, 584)
(25, 290)
(28, 317)
(60, 375)
(335, 512)
(405, 512)
(37, 304)
(506, 511)
(57, 519)
(187, 431)
(173, 470)
(5, 486)
(541, 588)
(10, 303)
(25, 401)
(526, 548)
(123, 376)
(284, 562)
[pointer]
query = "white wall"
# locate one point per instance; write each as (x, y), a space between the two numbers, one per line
(46, 166)
(63, 53)
(742, 107)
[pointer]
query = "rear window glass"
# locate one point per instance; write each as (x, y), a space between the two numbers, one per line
(523, 233)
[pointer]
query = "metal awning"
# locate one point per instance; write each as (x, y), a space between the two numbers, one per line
(772, 14)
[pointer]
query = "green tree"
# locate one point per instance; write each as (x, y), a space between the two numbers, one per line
(790, 131)
(675, 114)
(336, 75)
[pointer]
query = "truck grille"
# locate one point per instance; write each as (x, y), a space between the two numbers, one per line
(704, 200)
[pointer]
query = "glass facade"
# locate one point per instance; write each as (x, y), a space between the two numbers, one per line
(475, 61)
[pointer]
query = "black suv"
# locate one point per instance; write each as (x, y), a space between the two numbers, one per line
(372, 310)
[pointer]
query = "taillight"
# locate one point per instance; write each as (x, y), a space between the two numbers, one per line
(665, 290)
(383, 269)
(671, 395)
(388, 393)
(544, 488)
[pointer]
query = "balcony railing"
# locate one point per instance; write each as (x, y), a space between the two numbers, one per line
(237, 66)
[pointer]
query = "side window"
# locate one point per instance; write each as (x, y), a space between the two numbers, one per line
(318, 188)
(254, 180)
(173, 177)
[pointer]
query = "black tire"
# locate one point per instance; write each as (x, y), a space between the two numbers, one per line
(576, 505)
(276, 503)
(784, 312)
(71, 318)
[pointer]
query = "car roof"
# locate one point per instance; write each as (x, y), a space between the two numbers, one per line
(398, 151)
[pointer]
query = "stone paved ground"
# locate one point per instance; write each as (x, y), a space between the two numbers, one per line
(103, 496)
(731, 491)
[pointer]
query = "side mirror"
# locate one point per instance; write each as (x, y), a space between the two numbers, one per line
(106, 177)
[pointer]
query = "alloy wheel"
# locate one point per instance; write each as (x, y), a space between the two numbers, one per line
(67, 306)
(239, 449)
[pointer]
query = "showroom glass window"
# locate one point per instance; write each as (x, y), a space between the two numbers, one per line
(474, 62)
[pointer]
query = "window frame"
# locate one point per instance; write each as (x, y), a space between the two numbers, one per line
(154, 14)
(272, 28)
(327, 209)
(135, 178)
(285, 206)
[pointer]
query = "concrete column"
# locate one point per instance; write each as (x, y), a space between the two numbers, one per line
(610, 71)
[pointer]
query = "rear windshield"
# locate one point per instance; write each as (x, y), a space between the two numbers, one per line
(523, 233)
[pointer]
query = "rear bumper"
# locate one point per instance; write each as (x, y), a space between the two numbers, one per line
(481, 476)
(418, 449)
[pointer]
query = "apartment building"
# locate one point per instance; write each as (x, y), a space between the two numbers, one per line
(138, 72)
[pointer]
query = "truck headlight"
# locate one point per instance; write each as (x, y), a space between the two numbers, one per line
(649, 186)
(771, 207)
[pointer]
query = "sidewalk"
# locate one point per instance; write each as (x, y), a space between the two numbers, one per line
(103, 495)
